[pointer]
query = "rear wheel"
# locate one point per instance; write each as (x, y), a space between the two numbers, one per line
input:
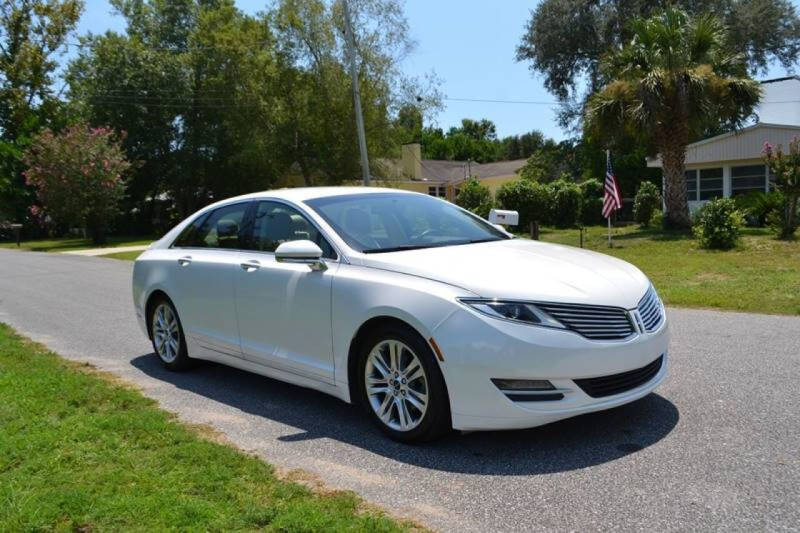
(402, 386)
(169, 342)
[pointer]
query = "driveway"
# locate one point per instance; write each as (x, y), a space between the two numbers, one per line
(716, 447)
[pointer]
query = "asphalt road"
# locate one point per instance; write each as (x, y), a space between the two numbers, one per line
(717, 447)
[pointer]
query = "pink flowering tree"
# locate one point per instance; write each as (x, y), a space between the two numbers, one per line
(786, 167)
(79, 176)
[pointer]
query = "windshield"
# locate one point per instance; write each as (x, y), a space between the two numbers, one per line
(389, 222)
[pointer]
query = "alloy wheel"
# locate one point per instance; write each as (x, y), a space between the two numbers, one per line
(166, 333)
(396, 385)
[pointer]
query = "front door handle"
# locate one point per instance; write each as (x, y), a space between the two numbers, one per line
(185, 260)
(250, 266)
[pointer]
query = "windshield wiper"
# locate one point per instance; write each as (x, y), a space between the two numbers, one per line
(396, 248)
(488, 239)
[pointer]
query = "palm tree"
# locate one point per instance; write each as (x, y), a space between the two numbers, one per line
(675, 80)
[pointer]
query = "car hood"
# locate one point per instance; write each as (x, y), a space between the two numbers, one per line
(523, 269)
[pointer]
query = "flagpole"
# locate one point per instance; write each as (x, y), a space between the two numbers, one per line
(608, 158)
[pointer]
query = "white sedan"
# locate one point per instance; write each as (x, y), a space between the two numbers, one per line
(431, 318)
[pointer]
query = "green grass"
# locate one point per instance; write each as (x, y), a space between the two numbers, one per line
(65, 245)
(761, 275)
(79, 452)
(125, 256)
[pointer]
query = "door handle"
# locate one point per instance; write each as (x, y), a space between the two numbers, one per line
(250, 266)
(185, 261)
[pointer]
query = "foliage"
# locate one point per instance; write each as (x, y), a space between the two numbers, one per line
(717, 224)
(566, 203)
(78, 176)
(568, 54)
(673, 80)
(757, 206)
(647, 200)
(786, 167)
(476, 140)
(71, 437)
(591, 202)
(657, 220)
(217, 102)
(551, 160)
(476, 197)
(32, 35)
(530, 199)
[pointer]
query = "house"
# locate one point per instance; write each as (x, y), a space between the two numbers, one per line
(443, 178)
(731, 163)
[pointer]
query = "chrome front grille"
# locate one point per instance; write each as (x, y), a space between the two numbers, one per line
(651, 310)
(592, 321)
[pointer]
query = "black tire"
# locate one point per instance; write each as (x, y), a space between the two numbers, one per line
(180, 360)
(436, 420)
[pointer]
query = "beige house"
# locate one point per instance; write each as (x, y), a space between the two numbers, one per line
(442, 178)
(731, 163)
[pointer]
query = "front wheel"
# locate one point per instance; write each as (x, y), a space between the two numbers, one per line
(403, 387)
(166, 331)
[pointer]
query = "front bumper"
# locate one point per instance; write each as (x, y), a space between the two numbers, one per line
(477, 348)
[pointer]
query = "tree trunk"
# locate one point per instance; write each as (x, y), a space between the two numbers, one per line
(790, 224)
(673, 157)
(96, 227)
(534, 230)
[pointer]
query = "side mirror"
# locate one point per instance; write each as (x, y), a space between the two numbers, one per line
(301, 252)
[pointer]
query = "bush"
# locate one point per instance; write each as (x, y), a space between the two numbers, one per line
(565, 209)
(757, 206)
(786, 167)
(657, 220)
(648, 199)
(78, 175)
(530, 199)
(475, 197)
(592, 207)
(717, 224)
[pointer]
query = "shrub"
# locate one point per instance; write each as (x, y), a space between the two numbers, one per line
(757, 206)
(566, 203)
(717, 224)
(530, 199)
(476, 197)
(592, 207)
(786, 167)
(657, 220)
(648, 199)
(78, 175)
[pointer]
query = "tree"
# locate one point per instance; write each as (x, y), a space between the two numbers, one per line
(475, 197)
(565, 39)
(32, 33)
(78, 175)
(530, 199)
(786, 167)
(673, 80)
(551, 160)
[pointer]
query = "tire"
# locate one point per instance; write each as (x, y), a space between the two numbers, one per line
(166, 334)
(407, 400)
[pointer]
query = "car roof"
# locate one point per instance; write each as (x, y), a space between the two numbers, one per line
(300, 194)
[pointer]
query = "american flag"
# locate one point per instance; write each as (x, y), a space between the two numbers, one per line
(611, 197)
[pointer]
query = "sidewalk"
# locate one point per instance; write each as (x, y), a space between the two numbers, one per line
(106, 251)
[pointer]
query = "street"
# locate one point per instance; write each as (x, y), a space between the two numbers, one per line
(716, 447)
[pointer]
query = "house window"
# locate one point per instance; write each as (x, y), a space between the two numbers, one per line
(747, 178)
(691, 185)
(710, 183)
(440, 192)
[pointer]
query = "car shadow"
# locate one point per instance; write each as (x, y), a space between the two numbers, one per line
(571, 444)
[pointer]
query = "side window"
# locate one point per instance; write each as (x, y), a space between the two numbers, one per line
(222, 228)
(275, 223)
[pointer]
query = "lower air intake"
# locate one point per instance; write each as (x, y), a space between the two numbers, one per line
(619, 383)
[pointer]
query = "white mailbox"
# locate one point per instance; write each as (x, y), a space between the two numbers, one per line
(504, 217)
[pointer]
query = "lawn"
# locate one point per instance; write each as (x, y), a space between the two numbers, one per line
(64, 245)
(125, 256)
(79, 452)
(761, 275)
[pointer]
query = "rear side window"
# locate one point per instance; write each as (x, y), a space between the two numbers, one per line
(222, 228)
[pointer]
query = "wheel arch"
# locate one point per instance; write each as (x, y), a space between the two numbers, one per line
(152, 298)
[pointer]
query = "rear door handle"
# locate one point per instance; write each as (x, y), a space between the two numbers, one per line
(250, 266)
(185, 261)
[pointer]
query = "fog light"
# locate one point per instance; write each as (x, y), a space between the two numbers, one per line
(522, 384)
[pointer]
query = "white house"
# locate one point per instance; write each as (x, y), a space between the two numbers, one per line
(731, 164)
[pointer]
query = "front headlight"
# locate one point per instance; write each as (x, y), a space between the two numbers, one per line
(524, 312)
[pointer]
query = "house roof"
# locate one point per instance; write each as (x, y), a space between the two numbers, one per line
(442, 171)
(744, 144)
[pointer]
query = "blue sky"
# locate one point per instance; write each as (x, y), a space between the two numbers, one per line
(469, 44)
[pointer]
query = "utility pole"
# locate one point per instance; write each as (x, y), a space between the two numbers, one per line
(351, 48)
